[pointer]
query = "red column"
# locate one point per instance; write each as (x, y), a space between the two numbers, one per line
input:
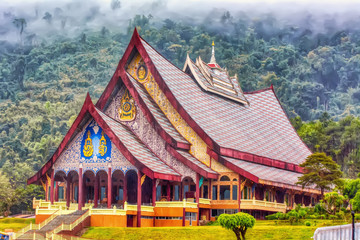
(80, 192)
(56, 191)
(239, 193)
(183, 220)
(139, 200)
(153, 192)
(68, 191)
(197, 197)
(109, 194)
(96, 191)
(168, 191)
(52, 188)
(197, 188)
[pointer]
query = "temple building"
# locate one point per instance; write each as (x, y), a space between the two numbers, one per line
(165, 146)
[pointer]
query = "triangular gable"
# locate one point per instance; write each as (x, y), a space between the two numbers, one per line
(89, 108)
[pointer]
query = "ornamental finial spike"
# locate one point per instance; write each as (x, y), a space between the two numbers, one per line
(212, 59)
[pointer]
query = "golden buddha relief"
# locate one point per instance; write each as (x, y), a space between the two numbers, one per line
(127, 109)
(102, 145)
(141, 73)
(88, 146)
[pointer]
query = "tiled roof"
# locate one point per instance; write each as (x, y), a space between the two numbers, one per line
(195, 161)
(267, 173)
(262, 128)
(136, 147)
(156, 111)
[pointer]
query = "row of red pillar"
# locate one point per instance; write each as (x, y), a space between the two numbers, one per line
(109, 197)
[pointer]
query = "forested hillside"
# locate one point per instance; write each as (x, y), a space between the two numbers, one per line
(44, 79)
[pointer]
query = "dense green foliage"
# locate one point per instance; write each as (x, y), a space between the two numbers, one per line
(338, 139)
(238, 223)
(320, 171)
(43, 82)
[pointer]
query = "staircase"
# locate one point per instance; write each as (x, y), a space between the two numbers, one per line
(56, 225)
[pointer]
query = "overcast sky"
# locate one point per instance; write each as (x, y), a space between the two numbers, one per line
(94, 14)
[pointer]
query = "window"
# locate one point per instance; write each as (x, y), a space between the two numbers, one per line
(76, 193)
(158, 193)
(224, 178)
(61, 192)
(177, 192)
(214, 193)
(121, 193)
(217, 212)
(186, 189)
(190, 215)
(103, 193)
(225, 192)
(245, 192)
(235, 192)
(205, 191)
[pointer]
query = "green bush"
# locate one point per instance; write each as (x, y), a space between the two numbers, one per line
(307, 223)
(276, 216)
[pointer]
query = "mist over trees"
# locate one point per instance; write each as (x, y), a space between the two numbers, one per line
(51, 56)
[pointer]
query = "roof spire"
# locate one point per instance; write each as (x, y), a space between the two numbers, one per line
(212, 59)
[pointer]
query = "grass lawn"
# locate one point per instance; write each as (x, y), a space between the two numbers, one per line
(14, 223)
(263, 229)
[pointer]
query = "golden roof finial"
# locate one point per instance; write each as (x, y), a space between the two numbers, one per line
(212, 59)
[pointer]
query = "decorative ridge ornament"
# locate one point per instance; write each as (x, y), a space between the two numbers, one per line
(127, 109)
(212, 59)
(88, 146)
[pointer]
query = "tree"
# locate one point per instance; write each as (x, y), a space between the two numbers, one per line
(48, 17)
(333, 201)
(8, 195)
(320, 170)
(20, 23)
(238, 223)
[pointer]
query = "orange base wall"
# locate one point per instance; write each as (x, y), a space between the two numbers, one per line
(168, 223)
(168, 212)
(107, 221)
(41, 218)
(147, 222)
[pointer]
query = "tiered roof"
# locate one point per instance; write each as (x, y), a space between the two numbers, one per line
(247, 132)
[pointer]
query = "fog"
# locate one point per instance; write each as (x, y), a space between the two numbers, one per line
(47, 19)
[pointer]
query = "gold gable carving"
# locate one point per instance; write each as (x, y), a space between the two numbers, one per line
(127, 109)
(198, 146)
(88, 146)
(102, 145)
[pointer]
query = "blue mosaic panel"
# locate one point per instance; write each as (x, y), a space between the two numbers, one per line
(95, 145)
